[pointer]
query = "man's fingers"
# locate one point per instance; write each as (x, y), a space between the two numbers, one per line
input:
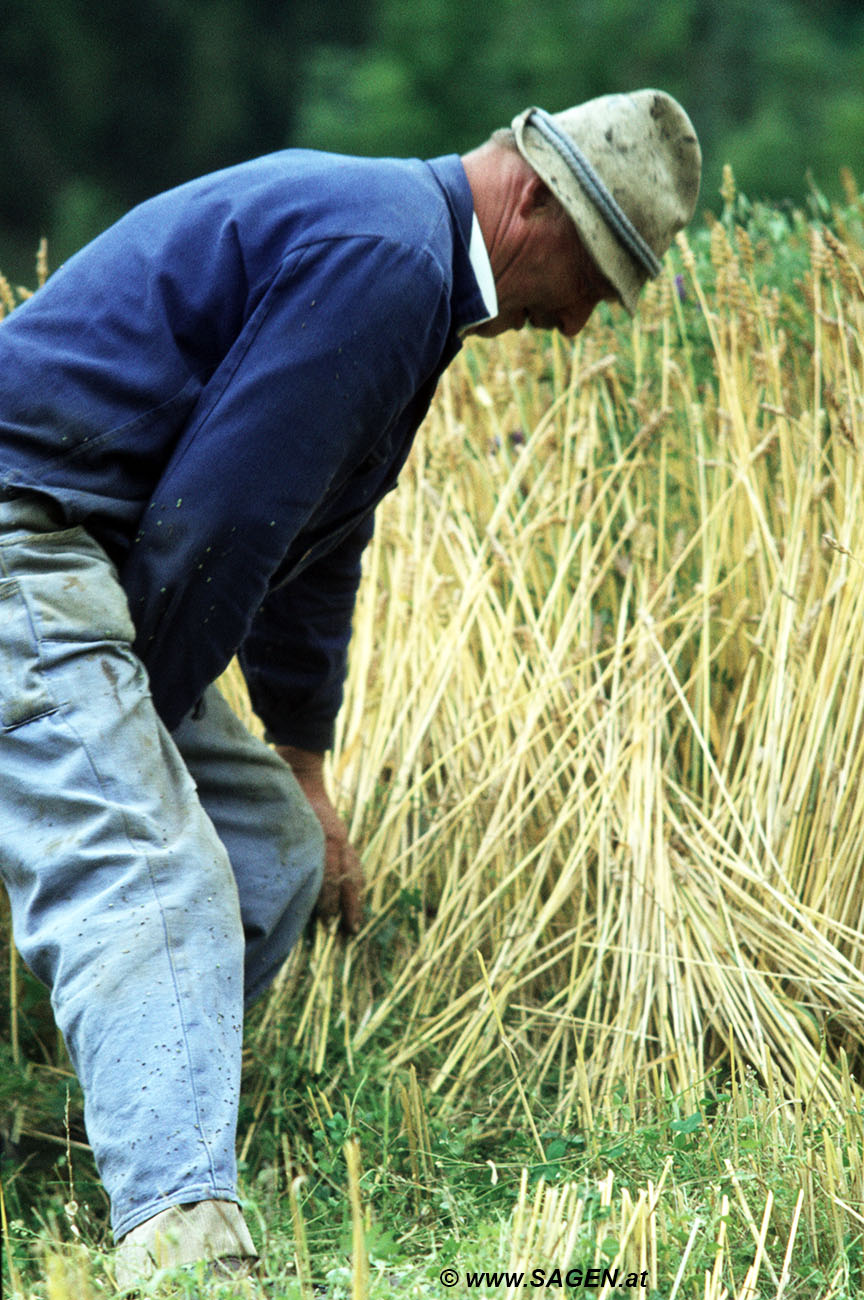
(328, 900)
(341, 891)
(328, 904)
(352, 887)
(342, 886)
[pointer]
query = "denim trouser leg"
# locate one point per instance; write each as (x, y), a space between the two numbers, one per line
(273, 838)
(124, 898)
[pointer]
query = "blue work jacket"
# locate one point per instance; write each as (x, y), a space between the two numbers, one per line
(222, 386)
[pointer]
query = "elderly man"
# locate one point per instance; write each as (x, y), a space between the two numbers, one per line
(198, 415)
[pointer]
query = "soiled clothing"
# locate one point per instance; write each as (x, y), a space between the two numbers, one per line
(157, 880)
(198, 415)
(222, 386)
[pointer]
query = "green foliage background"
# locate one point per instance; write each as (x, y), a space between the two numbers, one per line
(105, 104)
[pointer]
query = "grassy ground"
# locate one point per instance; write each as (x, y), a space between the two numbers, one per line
(601, 750)
(742, 1196)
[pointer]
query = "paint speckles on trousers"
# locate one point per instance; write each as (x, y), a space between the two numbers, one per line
(157, 881)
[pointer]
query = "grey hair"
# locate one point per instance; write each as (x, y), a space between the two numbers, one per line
(505, 138)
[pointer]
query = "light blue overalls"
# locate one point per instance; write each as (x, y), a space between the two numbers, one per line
(157, 881)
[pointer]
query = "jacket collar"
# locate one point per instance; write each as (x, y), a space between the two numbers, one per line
(471, 268)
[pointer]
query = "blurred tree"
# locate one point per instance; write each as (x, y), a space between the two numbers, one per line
(766, 83)
(104, 104)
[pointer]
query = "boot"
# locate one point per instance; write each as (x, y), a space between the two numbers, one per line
(183, 1234)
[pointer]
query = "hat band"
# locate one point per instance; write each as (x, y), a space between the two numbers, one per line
(614, 216)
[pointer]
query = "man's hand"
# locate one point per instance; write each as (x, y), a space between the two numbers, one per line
(342, 887)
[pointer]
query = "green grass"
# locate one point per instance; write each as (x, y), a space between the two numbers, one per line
(711, 1173)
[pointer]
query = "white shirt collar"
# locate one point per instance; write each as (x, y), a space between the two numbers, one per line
(482, 268)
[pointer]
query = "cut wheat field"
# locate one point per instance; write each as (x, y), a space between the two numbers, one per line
(601, 750)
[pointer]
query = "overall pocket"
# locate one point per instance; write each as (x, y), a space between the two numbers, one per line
(23, 693)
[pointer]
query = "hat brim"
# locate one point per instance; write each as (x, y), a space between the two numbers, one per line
(644, 150)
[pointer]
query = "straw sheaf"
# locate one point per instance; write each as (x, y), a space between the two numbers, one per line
(602, 739)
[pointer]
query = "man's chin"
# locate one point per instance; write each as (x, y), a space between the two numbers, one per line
(490, 329)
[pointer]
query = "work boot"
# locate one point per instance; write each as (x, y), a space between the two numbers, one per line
(213, 1231)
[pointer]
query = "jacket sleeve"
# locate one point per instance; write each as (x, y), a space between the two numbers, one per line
(334, 351)
(295, 657)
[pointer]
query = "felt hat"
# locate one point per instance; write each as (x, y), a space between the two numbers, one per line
(626, 168)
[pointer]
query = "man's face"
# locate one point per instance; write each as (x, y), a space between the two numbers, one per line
(551, 282)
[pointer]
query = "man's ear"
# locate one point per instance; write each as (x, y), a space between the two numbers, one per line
(535, 198)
